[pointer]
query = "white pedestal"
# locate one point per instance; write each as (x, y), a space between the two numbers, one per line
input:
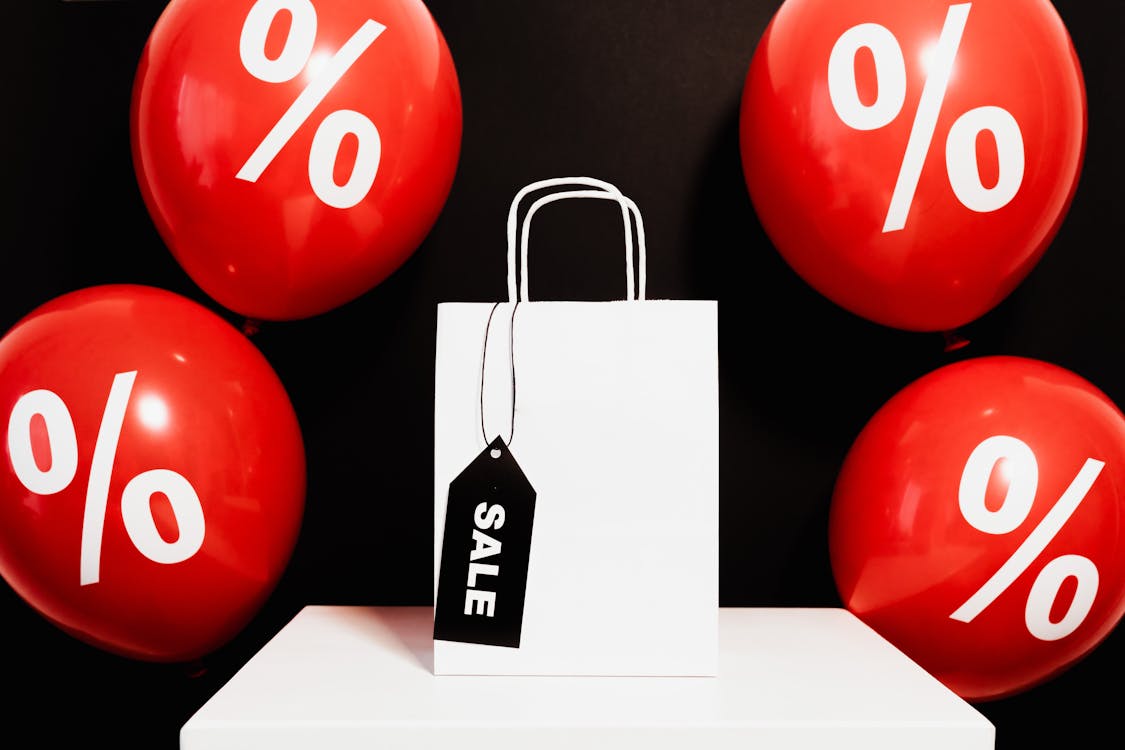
(344, 678)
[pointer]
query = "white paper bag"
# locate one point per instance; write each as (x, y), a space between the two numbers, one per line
(610, 410)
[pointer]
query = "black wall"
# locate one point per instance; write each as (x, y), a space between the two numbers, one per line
(643, 94)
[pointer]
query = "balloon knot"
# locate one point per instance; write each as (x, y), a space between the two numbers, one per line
(954, 341)
(195, 669)
(251, 326)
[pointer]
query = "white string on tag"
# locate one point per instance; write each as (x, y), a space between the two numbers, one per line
(635, 277)
(511, 369)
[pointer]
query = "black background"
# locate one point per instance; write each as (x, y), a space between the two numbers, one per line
(643, 94)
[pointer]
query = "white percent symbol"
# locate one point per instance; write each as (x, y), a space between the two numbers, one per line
(960, 145)
(294, 58)
(136, 511)
(1022, 472)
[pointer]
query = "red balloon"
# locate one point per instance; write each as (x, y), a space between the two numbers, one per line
(978, 523)
(912, 161)
(293, 154)
(154, 480)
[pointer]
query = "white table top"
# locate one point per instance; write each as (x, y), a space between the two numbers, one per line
(343, 677)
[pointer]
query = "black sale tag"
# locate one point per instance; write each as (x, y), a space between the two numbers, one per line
(485, 548)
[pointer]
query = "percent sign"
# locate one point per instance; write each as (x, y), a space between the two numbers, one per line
(136, 511)
(294, 57)
(960, 146)
(1022, 471)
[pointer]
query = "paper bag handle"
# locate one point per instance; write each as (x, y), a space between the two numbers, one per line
(604, 191)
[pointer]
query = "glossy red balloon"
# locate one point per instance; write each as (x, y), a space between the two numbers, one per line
(978, 523)
(153, 481)
(912, 161)
(293, 154)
